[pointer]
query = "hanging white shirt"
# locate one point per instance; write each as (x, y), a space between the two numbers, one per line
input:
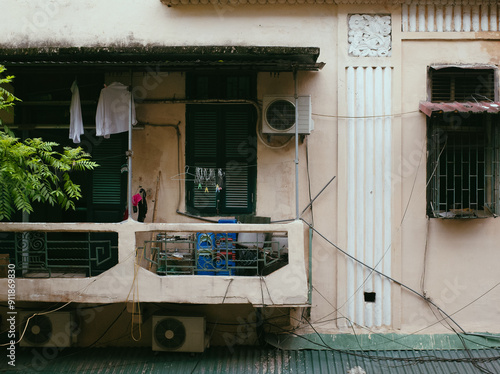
(113, 110)
(75, 115)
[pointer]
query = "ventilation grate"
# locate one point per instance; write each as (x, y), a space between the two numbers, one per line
(456, 84)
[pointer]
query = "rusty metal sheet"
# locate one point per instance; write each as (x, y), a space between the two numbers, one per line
(428, 107)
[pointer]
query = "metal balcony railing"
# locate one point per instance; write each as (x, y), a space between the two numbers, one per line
(221, 253)
(47, 254)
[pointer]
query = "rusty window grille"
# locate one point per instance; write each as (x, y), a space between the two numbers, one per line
(463, 165)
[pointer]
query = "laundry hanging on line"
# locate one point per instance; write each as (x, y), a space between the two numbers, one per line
(114, 110)
(75, 112)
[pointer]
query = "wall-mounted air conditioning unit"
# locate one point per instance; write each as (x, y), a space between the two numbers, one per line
(278, 115)
(56, 329)
(179, 334)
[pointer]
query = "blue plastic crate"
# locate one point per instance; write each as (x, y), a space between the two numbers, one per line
(205, 241)
(226, 239)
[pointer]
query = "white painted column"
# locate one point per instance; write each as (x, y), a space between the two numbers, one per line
(475, 18)
(466, 18)
(439, 18)
(387, 199)
(369, 192)
(413, 17)
(485, 21)
(430, 18)
(448, 18)
(378, 192)
(421, 17)
(359, 187)
(351, 181)
(493, 18)
(404, 18)
(457, 18)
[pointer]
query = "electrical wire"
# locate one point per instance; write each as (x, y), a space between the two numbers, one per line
(363, 117)
(422, 278)
(368, 354)
(353, 323)
(135, 293)
(215, 326)
(78, 294)
(446, 315)
(382, 274)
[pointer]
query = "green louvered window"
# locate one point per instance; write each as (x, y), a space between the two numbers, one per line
(221, 159)
(108, 181)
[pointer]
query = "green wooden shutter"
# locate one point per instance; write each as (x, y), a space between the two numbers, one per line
(106, 183)
(222, 137)
(238, 152)
(109, 185)
(204, 155)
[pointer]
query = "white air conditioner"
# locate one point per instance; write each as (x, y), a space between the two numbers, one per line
(56, 329)
(179, 334)
(278, 115)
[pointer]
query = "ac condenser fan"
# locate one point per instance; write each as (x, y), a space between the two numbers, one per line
(280, 115)
(170, 333)
(39, 330)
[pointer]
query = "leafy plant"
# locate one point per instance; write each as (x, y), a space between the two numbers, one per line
(7, 99)
(31, 170)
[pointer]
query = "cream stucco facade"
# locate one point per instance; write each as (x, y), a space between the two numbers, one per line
(368, 133)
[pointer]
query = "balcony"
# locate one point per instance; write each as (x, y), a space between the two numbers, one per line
(59, 254)
(217, 253)
(261, 264)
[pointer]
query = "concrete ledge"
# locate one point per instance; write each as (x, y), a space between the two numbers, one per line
(127, 280)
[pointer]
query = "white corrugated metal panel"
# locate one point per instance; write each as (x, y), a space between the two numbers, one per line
(464, 16)
(369, 193)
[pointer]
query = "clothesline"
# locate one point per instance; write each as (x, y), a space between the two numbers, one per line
(191, 176)
(115, 111)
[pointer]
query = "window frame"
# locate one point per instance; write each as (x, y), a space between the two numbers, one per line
(463, 159)
(226, 89)
(221, 161)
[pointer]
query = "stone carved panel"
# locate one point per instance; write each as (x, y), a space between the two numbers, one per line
(369, 35)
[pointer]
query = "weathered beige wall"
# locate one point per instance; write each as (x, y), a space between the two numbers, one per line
(460, 256)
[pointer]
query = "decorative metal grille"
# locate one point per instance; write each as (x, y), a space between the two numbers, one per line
(463, 165)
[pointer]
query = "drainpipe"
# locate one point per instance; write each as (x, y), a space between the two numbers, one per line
(309, 294)
(129, 152)
(297, 216)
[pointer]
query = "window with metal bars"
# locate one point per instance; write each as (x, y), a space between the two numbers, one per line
(463, 165)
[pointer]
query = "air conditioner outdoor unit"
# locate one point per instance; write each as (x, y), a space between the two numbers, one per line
(56, 329)
(179, 334)
(278, 115)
